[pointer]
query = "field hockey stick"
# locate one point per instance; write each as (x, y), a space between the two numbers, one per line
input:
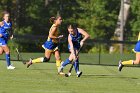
(75, 59)
(19, 54)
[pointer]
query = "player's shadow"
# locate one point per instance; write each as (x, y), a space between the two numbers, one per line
(107, 76)
(41, 69)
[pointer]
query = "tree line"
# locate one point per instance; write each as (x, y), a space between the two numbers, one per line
(97, 17)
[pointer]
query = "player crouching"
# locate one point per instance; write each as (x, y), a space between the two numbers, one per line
(76, 39)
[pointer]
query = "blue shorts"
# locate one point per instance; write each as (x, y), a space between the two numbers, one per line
(50, 46)
(137, 47)
(3, 42)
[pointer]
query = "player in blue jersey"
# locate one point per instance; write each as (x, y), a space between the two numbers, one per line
(76, 39)
(51, 45)
(132, 62)
(5, 34)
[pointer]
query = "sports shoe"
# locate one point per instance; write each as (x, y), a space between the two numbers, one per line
(69, 74)
(10, 67)
(61, 73)
(79, 73)
(29, 63)
(120, 65)
(60, 69)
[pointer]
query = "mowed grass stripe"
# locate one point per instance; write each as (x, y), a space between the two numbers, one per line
(43, 78)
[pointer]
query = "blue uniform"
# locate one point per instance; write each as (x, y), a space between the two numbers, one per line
(5, 31)
(76, 44)
(76, 40)
(137, 47)
(51, 44)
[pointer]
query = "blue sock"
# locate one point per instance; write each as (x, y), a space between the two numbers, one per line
(76, 65)
(67, 61)
(8, 59)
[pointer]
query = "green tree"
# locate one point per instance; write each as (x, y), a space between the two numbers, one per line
(97, 17)
(133, 24)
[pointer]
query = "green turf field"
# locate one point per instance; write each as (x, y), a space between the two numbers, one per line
(107, 59)
(43, 78)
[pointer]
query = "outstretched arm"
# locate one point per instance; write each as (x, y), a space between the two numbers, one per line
(85, 34)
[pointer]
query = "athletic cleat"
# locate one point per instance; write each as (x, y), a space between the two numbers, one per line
(66, 75)
(120, 65)
(29, 63)
(79, 73)
(60, 69)
(69, 74)
(63, 74)
(10, 67)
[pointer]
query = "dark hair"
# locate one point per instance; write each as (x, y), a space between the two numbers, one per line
(5, 12)
(52, 19)
(72, 26)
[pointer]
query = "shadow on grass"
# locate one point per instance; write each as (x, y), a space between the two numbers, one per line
(41, 69)
(107, 76)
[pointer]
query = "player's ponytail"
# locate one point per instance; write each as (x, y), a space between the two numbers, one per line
(52, 19)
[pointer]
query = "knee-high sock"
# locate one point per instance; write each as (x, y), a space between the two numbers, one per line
(38, 60)
(8, 59)
(139, 36)
(58, 63)
(76, 65)
(67, 61)
(129, 62)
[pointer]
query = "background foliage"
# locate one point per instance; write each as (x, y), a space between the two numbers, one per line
(97, 17)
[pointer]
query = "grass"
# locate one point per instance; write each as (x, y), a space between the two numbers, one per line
(107, 59)
(43, 78)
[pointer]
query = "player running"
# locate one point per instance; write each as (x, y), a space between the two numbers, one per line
(132, 62)
(5, 34)
(51, 45)
(76, 39)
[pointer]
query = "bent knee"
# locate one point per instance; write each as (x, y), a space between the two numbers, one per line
(46, 59)
(137, 62)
